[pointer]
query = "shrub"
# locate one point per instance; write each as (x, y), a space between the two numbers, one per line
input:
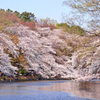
(71, 29)
(4, 77)
(23, 72)
(62, 25)
(77, 30)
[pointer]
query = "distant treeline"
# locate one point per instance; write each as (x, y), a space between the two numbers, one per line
(25, 16)
(8, 17)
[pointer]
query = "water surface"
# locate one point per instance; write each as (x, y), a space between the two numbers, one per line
(50, 90)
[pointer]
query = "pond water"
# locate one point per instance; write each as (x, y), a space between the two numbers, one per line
(50, 90)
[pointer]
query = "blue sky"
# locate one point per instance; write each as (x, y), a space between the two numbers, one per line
(41, 8)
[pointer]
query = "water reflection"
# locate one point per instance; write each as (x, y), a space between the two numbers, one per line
(50, 90)
(81, 89)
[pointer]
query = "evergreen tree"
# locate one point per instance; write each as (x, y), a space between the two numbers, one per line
(27, 16)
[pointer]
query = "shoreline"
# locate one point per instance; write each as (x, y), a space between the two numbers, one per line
(30, 77)
(35, 80)
(38, 77)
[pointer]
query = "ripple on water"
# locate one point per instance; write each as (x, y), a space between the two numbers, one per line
(49, 90)
(42, 95)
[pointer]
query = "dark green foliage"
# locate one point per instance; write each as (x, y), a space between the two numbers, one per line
(17, 13)
(27, 16)
(9, 10)
(2, 10)
(23, 72)
(4, 77)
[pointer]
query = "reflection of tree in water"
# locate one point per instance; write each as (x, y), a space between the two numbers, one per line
(81, 89)
(89, 86)
(86, 86)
